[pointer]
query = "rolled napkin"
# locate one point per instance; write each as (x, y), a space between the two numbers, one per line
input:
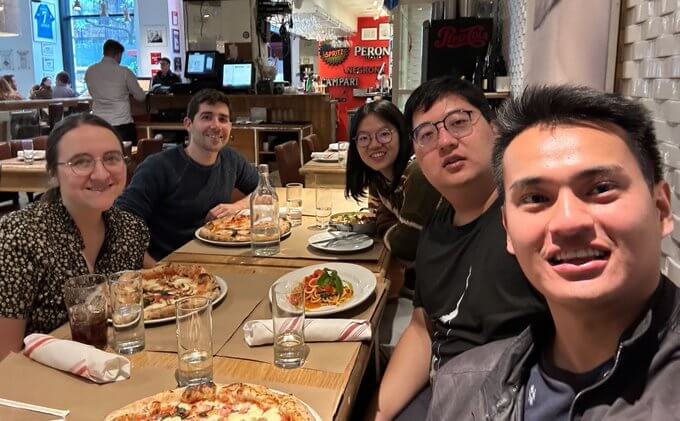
(333, 147)
(77, 358)
(325, 155)
(260, 332)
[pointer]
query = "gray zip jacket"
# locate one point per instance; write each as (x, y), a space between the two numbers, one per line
(487, 383)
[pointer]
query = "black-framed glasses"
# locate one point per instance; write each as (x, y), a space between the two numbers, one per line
(85, 164)
(457, 123)
(383, 137)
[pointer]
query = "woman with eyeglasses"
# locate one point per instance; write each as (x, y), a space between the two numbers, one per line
(380, 159)
(73, 230)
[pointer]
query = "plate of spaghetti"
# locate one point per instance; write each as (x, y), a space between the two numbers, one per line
(331, 287)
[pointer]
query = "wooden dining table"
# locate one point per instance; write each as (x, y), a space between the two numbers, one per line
(329, 381)
(324, 174)
(16, 175)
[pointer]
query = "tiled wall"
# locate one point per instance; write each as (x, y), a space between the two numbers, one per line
(649, 69)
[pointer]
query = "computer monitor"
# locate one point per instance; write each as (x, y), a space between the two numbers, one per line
(237, 76)
(202, 64)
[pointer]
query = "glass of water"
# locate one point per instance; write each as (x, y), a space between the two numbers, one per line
(342, 153)
(194, 340)
(324, 206)
(288, 317)
(294, 203)
(27, 147)
(127, 312)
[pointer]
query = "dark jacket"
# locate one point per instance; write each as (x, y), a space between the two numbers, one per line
(487, 383)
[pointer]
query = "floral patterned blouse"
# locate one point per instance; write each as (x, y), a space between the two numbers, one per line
(40, 248)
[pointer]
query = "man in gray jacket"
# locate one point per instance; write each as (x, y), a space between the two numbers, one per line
(585, 209)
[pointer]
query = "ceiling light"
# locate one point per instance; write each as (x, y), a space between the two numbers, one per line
(76, 6)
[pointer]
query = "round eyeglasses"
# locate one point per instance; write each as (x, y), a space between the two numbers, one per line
(85, 164)
(457, 123)
(383, 137)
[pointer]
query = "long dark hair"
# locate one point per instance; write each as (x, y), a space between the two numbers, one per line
(64, 126)
(360, 175)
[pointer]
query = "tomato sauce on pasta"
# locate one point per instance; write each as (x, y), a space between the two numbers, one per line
(317, 296)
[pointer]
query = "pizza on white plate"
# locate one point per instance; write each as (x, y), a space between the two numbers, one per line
(234, 229)
(166, 283)
(210, 401)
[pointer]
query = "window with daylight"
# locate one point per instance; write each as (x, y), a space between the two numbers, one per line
(86, 25)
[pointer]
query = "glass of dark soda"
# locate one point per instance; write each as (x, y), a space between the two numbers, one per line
(86, 301)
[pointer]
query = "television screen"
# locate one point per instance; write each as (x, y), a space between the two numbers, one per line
(237, 75)
(200, 64)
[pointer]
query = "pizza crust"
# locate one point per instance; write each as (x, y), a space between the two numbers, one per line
(202, 399)
(234, 229)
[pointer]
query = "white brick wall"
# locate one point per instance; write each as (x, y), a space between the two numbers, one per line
(649, 69)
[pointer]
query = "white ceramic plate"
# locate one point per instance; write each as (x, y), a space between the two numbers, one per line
(325, 157)
(311, 410)
(363, 282)
(223, 293)
(37, 155)
(350, 245)
(232, 243)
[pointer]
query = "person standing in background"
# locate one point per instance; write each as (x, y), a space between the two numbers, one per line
(110, 86)
(165, 77)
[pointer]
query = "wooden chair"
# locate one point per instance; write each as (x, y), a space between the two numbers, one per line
(307, 149)
(288, 160)
(6, 153)
(145, 147)
(55, 112)
(317, 143)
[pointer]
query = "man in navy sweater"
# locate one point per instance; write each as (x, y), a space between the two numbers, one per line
(178, 190)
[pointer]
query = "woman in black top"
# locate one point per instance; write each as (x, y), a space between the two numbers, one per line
(73, 231)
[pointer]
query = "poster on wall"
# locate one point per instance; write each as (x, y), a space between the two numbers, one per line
(178, 65)
(175, 17)
(48, 64)
(155, 58)
(369, 34)
(155, 35)
(384, 31)
(24, 62)
(175, 40)
(43, 22)
(6, 61)
(47, 49)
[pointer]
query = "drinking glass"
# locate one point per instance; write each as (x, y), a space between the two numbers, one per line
(85, 299)
(288, 317)
(324, 206)
(342, 153)
(194, 340)
(27, 146)
(127, 312)
(294, 203)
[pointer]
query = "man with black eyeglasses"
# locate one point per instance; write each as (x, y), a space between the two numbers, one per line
(469, 290)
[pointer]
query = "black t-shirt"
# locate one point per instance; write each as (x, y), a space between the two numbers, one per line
(472, 290)
(550, 391)
(173, 194)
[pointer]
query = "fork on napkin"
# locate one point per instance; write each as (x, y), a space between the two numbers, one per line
(76, 358)
(261, 332)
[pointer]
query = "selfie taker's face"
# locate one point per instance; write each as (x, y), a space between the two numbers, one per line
(581, 219)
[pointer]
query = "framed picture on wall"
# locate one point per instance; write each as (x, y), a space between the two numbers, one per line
(47, 49)
(175, 41)
(369, 34)
(384, 31)
(155, 35)
(175, 17)
(48, 64)
(43, 17)
(177, 65)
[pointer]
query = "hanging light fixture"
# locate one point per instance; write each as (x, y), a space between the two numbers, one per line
(103, 9)
(76, 6)
(126, 15)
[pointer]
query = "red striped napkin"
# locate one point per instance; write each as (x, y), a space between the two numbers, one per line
(76, 358)
(260, 332)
